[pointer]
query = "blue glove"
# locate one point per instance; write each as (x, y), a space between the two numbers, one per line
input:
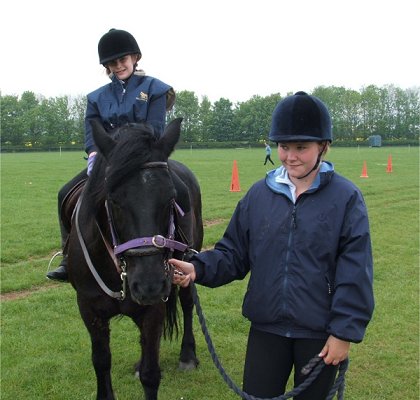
(90, 162)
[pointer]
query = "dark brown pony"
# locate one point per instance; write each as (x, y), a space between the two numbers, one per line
(137, 209)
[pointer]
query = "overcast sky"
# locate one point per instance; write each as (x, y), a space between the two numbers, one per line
(220, 48)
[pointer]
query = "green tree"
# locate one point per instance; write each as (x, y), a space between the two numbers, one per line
(12, 130)
(77, 112)
(205, 120)
(32, 118)
(371, 99)
(401, 112)
(253, 118)
(57, 120)
(222, 121)
(411, 113)
(187, 107)
(334, 98)
(388, 111)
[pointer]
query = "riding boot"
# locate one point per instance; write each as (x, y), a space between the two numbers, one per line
(60, 274)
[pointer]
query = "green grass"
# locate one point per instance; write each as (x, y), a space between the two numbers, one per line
(45, 349)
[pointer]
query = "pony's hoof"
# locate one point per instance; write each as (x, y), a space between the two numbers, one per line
(186, 366)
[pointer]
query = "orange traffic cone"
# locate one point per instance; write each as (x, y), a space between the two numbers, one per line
(364, 171)
(389, 166)
(234, 185)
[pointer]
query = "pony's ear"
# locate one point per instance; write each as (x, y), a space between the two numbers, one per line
(103, 141)
(170, 137)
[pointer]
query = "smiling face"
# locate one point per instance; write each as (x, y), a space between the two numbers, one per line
(123, 67)
(299, 157)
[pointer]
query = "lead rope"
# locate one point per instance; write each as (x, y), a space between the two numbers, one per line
(313, 368)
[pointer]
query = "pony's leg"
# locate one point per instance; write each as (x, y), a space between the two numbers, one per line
(188, 231)
(101, 353)
(150, 325)
(187, 358)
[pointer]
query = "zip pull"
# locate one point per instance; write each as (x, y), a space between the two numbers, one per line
(123, 89)
(329, 286)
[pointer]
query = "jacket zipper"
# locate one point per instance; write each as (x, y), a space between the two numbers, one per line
(123, 90)
(294, 223)
(293, 226)
(329, 286)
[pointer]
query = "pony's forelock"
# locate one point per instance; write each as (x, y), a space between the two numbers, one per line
(135, 144)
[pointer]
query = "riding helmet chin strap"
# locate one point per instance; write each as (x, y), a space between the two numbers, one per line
(318, 161)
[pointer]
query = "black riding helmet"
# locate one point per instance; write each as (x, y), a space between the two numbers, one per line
(115, 44)
(301, 118)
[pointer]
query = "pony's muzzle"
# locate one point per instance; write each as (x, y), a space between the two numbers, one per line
(150, 291)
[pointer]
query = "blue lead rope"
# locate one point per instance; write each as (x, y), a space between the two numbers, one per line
(313, 368)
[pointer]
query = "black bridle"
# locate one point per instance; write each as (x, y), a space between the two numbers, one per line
(141, 246)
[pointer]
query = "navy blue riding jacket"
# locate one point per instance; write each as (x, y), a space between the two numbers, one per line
(310, 262)
(142, 98)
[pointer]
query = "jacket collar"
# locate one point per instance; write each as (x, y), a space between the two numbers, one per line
(278, 180)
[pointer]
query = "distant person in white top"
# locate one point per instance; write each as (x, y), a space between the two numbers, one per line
(267, 153)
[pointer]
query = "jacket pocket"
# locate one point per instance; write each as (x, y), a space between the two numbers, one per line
(140, 110)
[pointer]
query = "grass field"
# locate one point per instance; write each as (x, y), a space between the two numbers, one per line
(45, 349)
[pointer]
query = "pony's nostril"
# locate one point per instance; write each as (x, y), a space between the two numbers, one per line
(151, 291)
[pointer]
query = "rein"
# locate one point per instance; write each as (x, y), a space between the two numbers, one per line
(142, 246)
(116, 295)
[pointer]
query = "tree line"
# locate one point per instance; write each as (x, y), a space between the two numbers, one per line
(33, 121)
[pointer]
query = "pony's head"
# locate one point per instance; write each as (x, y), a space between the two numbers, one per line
(140, 201)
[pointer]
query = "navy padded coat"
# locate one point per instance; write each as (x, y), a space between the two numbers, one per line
(310, 262)
(142, 99)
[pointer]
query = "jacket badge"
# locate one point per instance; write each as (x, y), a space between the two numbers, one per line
(142, 96)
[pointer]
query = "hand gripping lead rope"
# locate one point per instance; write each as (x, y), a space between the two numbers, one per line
(313, 367)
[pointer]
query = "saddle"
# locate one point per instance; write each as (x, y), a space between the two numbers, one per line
(69, 204)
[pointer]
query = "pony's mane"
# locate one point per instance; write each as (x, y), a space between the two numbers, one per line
(134, 147)
(134, 143)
